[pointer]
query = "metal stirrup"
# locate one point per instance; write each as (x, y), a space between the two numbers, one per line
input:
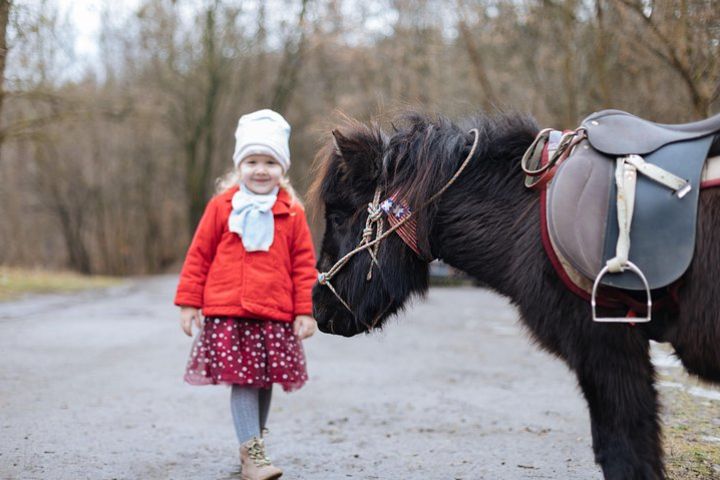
(633, 268)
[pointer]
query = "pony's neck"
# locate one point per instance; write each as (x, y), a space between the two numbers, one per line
(489, 228)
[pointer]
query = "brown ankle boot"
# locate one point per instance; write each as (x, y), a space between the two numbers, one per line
(254, 464)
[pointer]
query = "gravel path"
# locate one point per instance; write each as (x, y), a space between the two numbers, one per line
(91, 388)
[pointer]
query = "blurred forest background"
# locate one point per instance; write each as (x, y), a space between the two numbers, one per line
(105, 166)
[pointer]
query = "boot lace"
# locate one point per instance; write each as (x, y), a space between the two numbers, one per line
(256, 452)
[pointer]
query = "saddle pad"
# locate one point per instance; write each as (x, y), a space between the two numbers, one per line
(582, 214)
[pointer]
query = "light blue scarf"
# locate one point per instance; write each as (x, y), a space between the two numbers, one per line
(252, 218)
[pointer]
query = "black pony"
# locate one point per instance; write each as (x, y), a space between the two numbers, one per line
(487, 224)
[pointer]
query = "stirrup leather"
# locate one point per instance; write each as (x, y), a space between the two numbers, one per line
(626, 180)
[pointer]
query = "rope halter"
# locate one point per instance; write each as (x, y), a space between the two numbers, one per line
(374, 224)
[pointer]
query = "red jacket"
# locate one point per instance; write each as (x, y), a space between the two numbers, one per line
(223, 279)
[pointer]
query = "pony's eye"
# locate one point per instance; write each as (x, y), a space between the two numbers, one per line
(334, 219)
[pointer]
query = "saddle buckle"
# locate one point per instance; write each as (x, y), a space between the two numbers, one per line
(633, 268)
(684, 190)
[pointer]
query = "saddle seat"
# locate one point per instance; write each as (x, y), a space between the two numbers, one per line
(615, 132)
(581, 199)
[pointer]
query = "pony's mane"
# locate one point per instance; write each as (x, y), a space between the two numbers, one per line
(425, 152)
(320, 168)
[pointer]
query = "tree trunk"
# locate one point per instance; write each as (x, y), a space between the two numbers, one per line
(290, 66)
(199, 153)
(602, 83)
(489, 100)
(4, 19)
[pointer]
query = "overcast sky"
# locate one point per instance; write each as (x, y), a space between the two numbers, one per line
(85, 16)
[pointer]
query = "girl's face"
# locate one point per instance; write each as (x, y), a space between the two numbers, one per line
(260, 173)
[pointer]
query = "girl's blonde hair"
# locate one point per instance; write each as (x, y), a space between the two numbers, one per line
(232, 178)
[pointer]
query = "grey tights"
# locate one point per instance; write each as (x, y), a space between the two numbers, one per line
(249, 407)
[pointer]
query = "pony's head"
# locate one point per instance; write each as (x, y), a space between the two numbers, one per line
(415, 164)
(351, 168)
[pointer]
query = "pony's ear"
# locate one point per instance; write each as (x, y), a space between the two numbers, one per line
(361, 151)
(340, 139)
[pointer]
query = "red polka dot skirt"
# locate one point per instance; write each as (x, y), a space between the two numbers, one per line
(249, 352)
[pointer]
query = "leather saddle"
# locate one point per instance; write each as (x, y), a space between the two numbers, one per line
(582, 198)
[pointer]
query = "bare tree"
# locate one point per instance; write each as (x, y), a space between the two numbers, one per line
(293, 53)
(474, 53)
(115, 163)
(685, 36)
(192, 82)
(4, 19)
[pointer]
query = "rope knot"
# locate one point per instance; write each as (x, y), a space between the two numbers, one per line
(367, 233)
(374, 212)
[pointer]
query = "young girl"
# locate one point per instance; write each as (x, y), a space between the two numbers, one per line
(250, 268)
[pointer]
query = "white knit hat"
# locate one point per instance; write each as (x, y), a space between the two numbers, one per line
(263, 133)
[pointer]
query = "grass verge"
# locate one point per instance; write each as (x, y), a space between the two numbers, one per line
(691, 432)
(16, 282)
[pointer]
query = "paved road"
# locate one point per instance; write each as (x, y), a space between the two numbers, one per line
(90, 387)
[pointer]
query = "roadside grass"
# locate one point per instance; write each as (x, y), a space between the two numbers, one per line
(691, 433)
(16, 282)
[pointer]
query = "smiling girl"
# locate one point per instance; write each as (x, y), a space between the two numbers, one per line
(249, 271)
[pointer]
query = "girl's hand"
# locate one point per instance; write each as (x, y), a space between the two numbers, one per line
(304, 326)
(187, 315)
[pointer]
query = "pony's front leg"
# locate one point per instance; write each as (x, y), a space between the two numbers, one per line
(617, 379)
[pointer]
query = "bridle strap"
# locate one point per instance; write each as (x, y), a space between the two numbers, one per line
(375, 216)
